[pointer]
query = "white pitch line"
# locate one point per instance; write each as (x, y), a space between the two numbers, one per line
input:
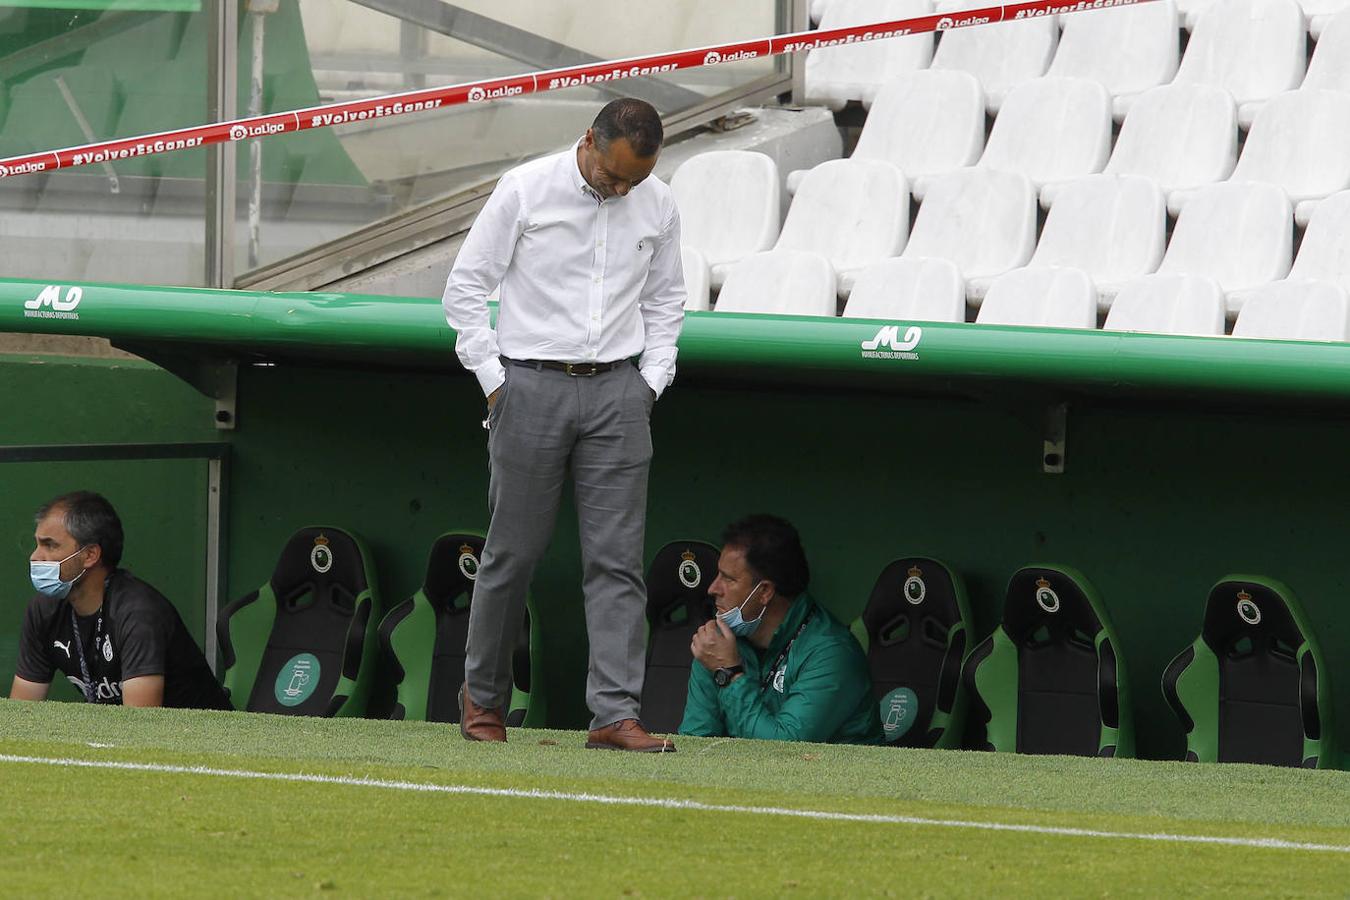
(662, 803)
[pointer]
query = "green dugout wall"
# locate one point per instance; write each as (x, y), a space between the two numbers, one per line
(1183, 459)
(68, 423)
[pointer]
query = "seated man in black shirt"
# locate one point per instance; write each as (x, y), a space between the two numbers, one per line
(112, 635)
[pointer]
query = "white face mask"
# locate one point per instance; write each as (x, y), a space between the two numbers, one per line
(738, 625)
(46, 577)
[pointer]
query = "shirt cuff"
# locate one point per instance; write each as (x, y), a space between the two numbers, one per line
(733, 695)
(655, 376)
(491, 375)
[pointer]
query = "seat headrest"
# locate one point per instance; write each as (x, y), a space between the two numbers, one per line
(452, 567)
(913, 585)
(1055, 599)
(321, 557)
(1239, 608)
(679, 578)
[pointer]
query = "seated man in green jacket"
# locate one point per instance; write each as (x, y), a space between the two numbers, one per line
(774, 664)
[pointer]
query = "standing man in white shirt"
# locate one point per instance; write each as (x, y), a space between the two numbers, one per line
(586, 249)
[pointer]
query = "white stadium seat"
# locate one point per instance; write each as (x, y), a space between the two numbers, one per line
(925, 123)
(1113, 227)
(782, 282)
(1254, 49)
(1052, 298)
(1324, 254)
(1190, 10)
(696, 286)
(729, 206)
(1296, 311)
(836, 75)
(1001, 56)
(1301, 142)
(1183, 136)
(1051, 129)
(922, 290)
(1241, 235)
(1329, 68)
(982, 220)
(851, 211)
(1169, 304)
(1320, 14)
(1126, 50)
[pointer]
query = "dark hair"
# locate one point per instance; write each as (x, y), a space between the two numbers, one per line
(773, 550)
(636, 121)
(90, 519)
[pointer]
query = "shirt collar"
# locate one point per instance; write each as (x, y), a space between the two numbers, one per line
(577, 179)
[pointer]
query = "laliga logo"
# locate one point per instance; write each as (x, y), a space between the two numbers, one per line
(479, 94)
(239, 132)
(947, 22)
(22, 169)
(714, 57)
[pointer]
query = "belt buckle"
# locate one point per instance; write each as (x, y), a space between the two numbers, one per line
(573, 370)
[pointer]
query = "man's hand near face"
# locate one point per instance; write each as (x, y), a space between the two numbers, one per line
(715, 646)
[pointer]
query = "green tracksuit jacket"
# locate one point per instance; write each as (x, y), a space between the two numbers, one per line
(822, 691)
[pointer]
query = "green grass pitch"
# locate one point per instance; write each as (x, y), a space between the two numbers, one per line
(158, 827)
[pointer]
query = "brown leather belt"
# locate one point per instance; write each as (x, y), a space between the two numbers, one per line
(583, 369)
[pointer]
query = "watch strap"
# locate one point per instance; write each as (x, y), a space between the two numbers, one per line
(722, 676)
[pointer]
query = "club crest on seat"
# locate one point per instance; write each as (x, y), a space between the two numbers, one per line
(321, 557)
(1046, 598)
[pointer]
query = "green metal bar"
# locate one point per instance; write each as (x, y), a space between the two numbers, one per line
(412, 333)
(19, 453)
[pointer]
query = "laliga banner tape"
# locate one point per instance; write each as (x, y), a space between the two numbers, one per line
(518, 85)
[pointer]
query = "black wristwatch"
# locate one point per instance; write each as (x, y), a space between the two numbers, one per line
(722, 677)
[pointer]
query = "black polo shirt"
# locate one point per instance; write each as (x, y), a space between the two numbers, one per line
(141, 634)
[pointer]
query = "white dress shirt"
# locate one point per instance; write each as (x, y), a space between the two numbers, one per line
(582, 280)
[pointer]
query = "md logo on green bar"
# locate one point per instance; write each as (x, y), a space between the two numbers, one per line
(297, 679)
(50, 305)
(887, 344)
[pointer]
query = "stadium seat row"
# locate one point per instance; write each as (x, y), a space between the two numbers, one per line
(1103, 250)
(1253, 687)
(1104, 245)
(1050, 679)
(1318, 12)
(307, 642)
(1233, 248)
(1252, 49)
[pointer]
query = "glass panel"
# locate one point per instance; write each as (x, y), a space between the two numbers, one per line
(77, 72)
(316, 186)
(72, 76)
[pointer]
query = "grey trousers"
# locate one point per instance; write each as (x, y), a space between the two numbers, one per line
(545, 425)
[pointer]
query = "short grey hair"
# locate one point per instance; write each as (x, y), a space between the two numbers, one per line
(90, 519)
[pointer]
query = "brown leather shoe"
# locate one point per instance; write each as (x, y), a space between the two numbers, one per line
(477, 723)
(627, 734)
